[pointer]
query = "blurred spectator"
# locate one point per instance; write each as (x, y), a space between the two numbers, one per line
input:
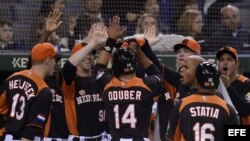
(190, 24)
(54, 38)
(180, 7)
(128, 10)
(232, 33)
(93, 7)
(48, 6)
(152, 7)
(212, 17)
(38, 23)
(166, 11)
(6, 36)
(79, 25)
(82, 27)
(144, 21)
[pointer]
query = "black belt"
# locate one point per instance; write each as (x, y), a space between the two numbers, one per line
(134, 139)
(95, 139)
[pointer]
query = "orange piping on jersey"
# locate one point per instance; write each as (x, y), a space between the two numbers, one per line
(245, 120)
(34, 125)
(3, 104)
(2, 130)
(132, 83)
(242, 78)
(34, 77)
(178, 136)
(68, 90)
(70, 109)
(213, 99)
(47, 126)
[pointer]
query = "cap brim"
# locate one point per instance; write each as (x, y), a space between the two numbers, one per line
(178, 46)
(219, 53)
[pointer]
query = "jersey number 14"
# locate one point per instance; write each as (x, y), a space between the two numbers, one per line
(127, 118)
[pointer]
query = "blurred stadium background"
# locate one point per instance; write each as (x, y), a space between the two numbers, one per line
(24, 14)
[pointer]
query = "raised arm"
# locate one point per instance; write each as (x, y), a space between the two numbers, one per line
(136, 46)
(53, 22)
(98, 38)
(150, 35)
(114, 32)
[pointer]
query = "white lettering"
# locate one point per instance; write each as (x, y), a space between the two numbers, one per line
(88, 98)
(204, 111)
(236, 132)
(22, 85)
(124, 95)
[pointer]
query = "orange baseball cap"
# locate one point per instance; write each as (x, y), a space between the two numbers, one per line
(190, 44)
(227, 49)
(78, 46)
(42, 51)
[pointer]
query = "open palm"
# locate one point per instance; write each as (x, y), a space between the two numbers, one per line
(150, 35)
(53, 21)
(99, 35)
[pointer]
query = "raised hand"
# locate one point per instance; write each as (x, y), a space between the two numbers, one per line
(134, 47)
(98, 35)
(53, 21)
(150, 35)
(114, 30)
(226, 79)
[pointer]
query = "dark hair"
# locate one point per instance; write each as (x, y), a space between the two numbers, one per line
(84, 24)
(5, 22)
(46, 7)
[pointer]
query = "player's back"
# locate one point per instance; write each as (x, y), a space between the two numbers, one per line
(129, 106)
(20, 90)
(201, 116)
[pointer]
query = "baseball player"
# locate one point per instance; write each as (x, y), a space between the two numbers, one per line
(25, 97)
(56, 128)
(128, 99)
(175, 90)
(84, 108)
(202, 115)
(238, 86)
